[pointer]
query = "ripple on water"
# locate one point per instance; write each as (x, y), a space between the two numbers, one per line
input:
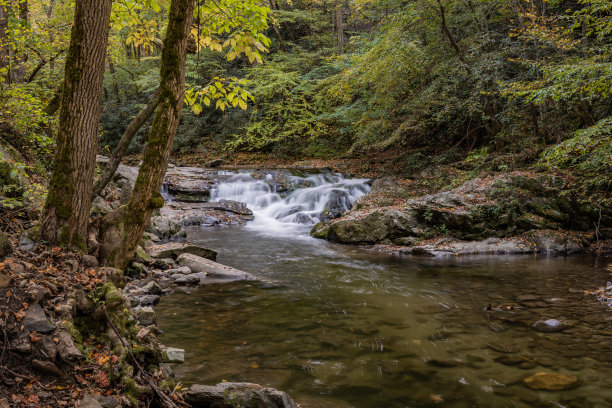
(346, 328)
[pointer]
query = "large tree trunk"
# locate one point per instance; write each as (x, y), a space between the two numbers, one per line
(4, 46)
(122, 229)
(66, 214)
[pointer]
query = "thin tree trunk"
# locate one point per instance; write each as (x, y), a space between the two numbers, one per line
(41, 64)
(4, 46)
(448, 33)
(122, 229)
(111, 167)
(21, 59)
(340, 27)
(111, 69)
(51, 38)
(66, 214)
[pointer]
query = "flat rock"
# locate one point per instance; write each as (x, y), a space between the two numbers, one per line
(551, 382)
(174, 355)
(174, 249)
(224, 394)
(213, 269)
(36, 320)
(191, 279)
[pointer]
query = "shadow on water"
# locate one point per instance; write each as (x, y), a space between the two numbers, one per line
(337, 326)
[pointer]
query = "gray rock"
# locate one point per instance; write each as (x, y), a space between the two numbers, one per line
(226, 394)
(553, 242)
(89, 402)
(213, 269)
(174, 249)
(99, 207)
(191, 279)
(145, 315)
(215, 163)
(149, 300)
(549, 326)
(141, 256)
(173, 355)
(66, 348)
(148, 236)
(183, 270)
(337, 204)
(164, 227)
(36, 320)
(152, 288)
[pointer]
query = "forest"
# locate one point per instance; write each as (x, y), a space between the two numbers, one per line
(139, 138)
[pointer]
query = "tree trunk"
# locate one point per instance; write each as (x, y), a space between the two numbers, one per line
(111, 167)
(122, 229)
(4, 46)
(111, 69)
(448, 33)
(66, 214)
(340, 27)
(22, 58)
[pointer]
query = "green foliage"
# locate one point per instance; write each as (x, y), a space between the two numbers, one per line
(588, 154)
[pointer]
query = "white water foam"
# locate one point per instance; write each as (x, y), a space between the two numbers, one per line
(278, 213)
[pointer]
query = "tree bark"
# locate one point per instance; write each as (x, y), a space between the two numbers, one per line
(111, 167)
(22, 58)
(448, 33)
(340, 27)
(66, 213)
(4, 46)
(122, 229)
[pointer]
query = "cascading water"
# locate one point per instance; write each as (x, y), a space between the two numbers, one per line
(312, 198)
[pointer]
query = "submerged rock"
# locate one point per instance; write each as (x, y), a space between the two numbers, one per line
(212, 269)
(551, 382)
(225, 395)
(549, 326)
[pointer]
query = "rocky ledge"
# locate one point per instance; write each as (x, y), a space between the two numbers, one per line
(506, 214)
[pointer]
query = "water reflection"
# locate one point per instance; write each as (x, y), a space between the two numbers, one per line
(336, 327)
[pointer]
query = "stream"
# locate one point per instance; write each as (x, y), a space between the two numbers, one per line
(343, 326)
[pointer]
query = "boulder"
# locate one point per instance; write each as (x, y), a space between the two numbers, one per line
(152, 288)
(174, 249)
(164, 227)
(368, 227)
(145, 315)
(213, 269)
(227, 394)
(553, 242)
(215, 163)
(337, 204)
(551, 382)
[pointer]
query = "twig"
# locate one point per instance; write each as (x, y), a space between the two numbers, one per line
(164, 398)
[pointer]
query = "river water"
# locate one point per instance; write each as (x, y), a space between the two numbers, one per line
(342, 326)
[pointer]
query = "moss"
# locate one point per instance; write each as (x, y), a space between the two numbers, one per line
(157, 201)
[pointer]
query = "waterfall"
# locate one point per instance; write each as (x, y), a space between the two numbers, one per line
(311, 198)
